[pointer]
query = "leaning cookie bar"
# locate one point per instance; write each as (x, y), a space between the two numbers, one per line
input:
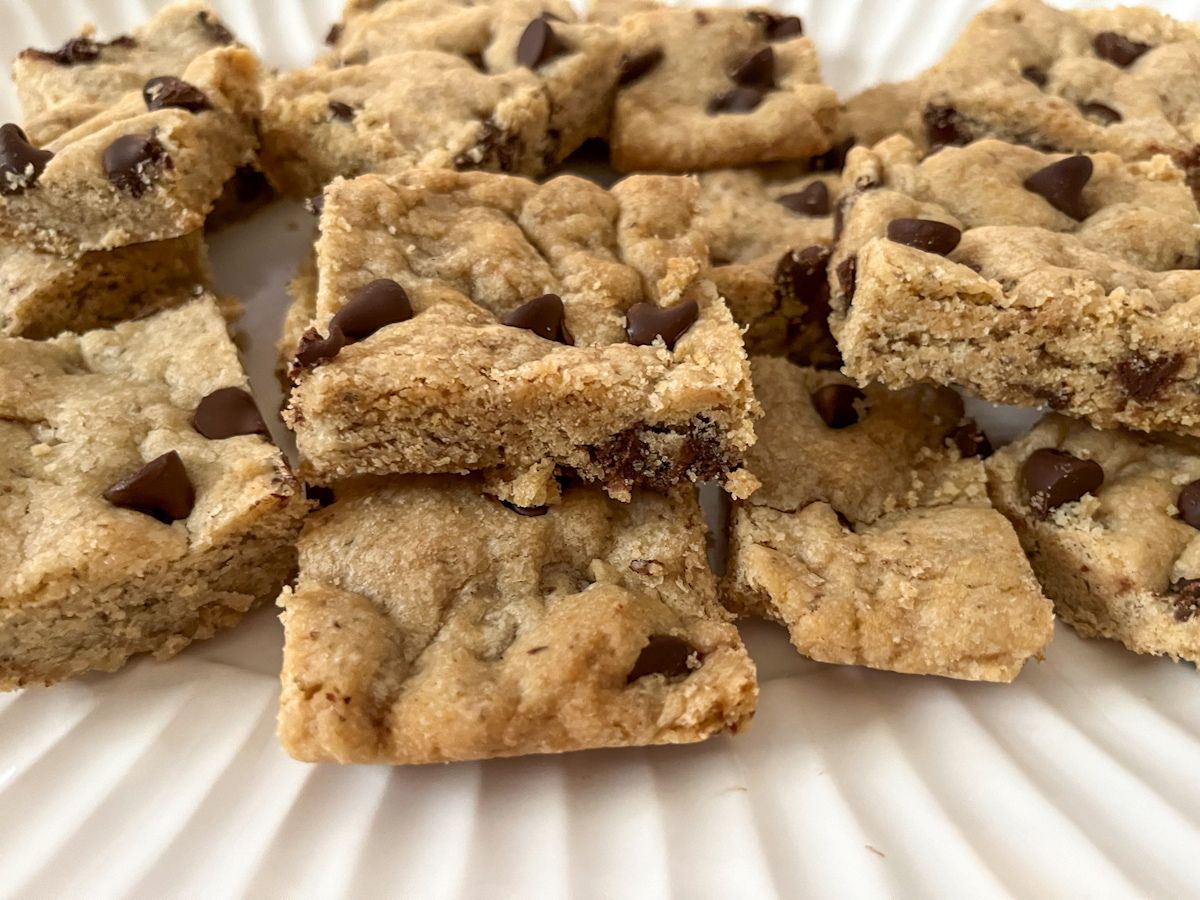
(470, 321)
(1111, 522)
(142, 507)
(1029, 278)
(872, 538)
(706, 88)
(432, 623)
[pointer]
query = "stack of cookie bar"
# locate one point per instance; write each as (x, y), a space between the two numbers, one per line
(506, 382)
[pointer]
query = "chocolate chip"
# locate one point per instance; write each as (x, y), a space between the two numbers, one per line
(133, 161)
(664, 654)
(1105, 115)
(544, 316)
(494, 148)
(944, 127)
(756, 71)
(833, 159)
(970, 441)
(161, 488)
(924, 234)
(21, 163)
(228, 412)
(813, 200)
(802, 274)
(215, 28)
(1186, 597)
(1143, 379)
(166, 91)
(847, 276)
(1189, 504)
(638, 65)
(370, 308)
(736, 100)
(1036, 75)
(343, 112)
(1054, 477)
(334, 34)
(1062, 183)
(644, 322)
(313, 349)
(539, 44)
(835, 404)
(776, 27)
(76, 50)
(1118, 49)
(530, 511)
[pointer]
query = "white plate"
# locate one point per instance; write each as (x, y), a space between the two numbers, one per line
(165, 780)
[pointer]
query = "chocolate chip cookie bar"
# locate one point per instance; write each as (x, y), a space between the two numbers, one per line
(147, 167)
(503, 86)
(1111, 522)
(468, 320)
(709, 88)
(432, 623)
(872, 538)
(768, 231)
(142, 506)
(1028, 278)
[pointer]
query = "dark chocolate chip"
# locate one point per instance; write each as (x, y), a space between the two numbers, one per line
(1062, 183)
(530, 511)
(133, 161)
(215, 28)
(166, 91)
(494, 148)
(370, 308)
(161, 488)
(944, 127)
(544, 316)
(313, 349)
(78, 50)
(1118, 49)
(835, 404)
(1104, 115)
(638, 65)
(1186, 597)
(736, 100)
(1189, 504)
(228, 412)
(833, 159)
(847, 276)
(1144, 379)
(644, 322)
(21, 163)
(1036, 75)
(924, 234)
(539, 44)
(970, 441)
(802, 274)
(343, 112)
(664, 654)
(813, 200)
(776, 27)
(334, 34)
(756, 71)
(1054, 477)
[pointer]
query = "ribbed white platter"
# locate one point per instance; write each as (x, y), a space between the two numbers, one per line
(165, 780)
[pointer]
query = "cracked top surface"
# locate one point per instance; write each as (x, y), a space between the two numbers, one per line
(1079, 80)
(79, 412)
(662, 119)
(431, 623)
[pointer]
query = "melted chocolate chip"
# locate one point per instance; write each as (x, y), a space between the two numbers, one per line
(970, 441)
(1186, 597)
(924, 234)
(215, 28)
(776, 27)
(539, 44)
(132, 162)
(1144, 379)
(494, 148)
(944, 127)
(847, 276)
(78, 50)
(1098, 112)
(1118, 49)
(1062, 183)
(1189, 504)
(161, 488)
(638, 65)
(813, 200)
(530, 511)
(228, 412)
(166, 91)
(736, 100)
(544, 316)
(21, 163)
(756, 71)
(1054, 477)
(371, 307)
(334, 34)
(313, 349)
(836, 404)
(343, 112)
(1036, 75)
(644, 322)
(664, 654)
(802, 274)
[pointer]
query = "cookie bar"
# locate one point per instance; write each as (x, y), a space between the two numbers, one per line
(768, 231)
(467, 320)
(1110, 520)
(509, 86)
(880, 111)
(42, 294)
(148, 167)
(872, 538)
(432, 623)
(709, 88)
(142, 507)
(1029, 278)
